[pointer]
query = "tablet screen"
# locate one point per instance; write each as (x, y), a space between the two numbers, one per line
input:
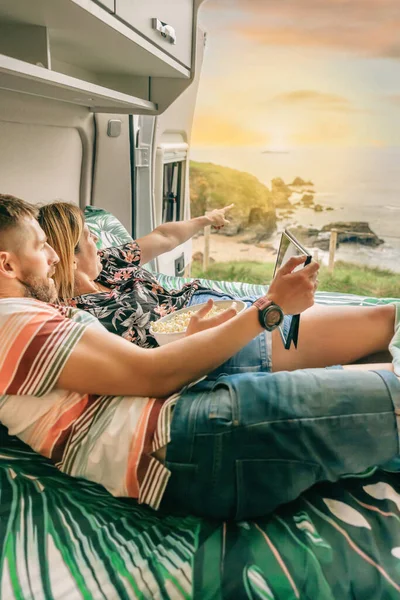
(289, 247)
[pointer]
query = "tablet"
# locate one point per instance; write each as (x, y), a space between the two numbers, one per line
(288, 247)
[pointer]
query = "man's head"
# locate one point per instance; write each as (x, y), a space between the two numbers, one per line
(27, 262)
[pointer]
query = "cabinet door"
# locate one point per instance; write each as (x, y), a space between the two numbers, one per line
(140, 14)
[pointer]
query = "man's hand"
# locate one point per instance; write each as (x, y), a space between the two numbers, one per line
(294, 290)
(217, 218)
(200, 322)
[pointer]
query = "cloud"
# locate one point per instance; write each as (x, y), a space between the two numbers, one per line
(314, 100)
(363, 27)
(394, 99)
(325, 132)
(215, 130)
(377, 143)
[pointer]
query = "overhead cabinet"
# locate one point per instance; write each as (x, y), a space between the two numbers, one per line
(167, 24)
(19, 76)
(139, 50)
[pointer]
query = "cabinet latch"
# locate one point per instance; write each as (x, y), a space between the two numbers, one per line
(167, 31)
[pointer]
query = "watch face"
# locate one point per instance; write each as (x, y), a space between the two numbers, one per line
(273, 317)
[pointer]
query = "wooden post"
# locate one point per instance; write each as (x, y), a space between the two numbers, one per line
(332, 249)
(206, 255)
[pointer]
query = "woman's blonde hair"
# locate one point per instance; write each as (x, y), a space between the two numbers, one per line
(63, 224)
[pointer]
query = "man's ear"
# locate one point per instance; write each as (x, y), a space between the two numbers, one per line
(8, 265)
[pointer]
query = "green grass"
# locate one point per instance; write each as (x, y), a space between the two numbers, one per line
(347, 277)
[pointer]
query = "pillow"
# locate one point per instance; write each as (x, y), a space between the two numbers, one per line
(106, 227)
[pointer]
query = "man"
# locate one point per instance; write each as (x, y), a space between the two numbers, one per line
(231, 448)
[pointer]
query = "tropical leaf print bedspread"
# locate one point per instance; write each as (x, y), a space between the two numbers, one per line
(68, 539)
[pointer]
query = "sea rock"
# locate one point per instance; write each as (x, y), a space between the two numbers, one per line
(234, 227)
(358, 232)
(323, 240)
(259, 216)
(286, 214)
(348, 231)
(299, 182)
(278, 183)
(311, 237)
(260, 226)
(318, 208)
(280, 193)
(307, 200)
(305, 235)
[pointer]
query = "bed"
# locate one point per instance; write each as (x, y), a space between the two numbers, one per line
(64, 538)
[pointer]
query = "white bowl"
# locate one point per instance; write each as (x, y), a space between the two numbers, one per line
(166, 338)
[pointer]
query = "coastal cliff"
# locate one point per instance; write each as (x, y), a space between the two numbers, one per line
(258, 209)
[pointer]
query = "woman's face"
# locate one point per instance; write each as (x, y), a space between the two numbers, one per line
(87, 260)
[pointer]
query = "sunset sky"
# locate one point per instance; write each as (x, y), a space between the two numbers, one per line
(285, 73)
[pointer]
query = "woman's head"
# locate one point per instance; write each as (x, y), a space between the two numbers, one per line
(64, 225)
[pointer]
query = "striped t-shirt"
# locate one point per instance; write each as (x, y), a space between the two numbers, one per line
(106, 439)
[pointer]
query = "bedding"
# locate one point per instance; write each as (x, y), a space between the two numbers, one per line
(68, 539)
(108, 229)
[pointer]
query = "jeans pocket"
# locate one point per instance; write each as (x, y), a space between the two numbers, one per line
(222, 409)
(264, 484)
(180, 494)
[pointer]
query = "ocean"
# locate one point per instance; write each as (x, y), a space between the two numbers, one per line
(360, 184)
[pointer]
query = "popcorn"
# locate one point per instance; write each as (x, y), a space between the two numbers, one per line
(180, 321)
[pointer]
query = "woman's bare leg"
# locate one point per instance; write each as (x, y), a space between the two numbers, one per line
(370, 367)
(333, 335)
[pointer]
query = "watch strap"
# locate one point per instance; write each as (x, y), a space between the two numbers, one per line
(262, 303)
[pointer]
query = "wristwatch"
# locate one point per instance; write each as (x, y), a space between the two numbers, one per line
(270, 315)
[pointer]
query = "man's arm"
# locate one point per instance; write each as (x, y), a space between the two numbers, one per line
(103, 363)
(168, 236)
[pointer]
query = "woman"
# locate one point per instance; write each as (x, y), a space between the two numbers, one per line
(112, 285)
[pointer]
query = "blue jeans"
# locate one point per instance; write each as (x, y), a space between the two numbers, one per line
(253, 358)
(244, 444)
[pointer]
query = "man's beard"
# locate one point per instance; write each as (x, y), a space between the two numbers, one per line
(39, 289)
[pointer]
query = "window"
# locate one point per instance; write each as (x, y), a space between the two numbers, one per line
(172, 192)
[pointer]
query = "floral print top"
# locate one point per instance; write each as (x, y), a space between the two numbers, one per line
(135, 298)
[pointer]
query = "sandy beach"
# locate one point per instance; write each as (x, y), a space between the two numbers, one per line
(225, 249)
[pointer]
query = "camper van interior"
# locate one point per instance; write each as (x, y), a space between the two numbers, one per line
(96, 106)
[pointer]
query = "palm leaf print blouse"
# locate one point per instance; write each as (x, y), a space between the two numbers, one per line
(135, 298)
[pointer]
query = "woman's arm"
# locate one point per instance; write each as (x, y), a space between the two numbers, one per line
(168, 236)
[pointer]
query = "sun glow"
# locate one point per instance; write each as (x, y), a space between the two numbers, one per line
(279, 140)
